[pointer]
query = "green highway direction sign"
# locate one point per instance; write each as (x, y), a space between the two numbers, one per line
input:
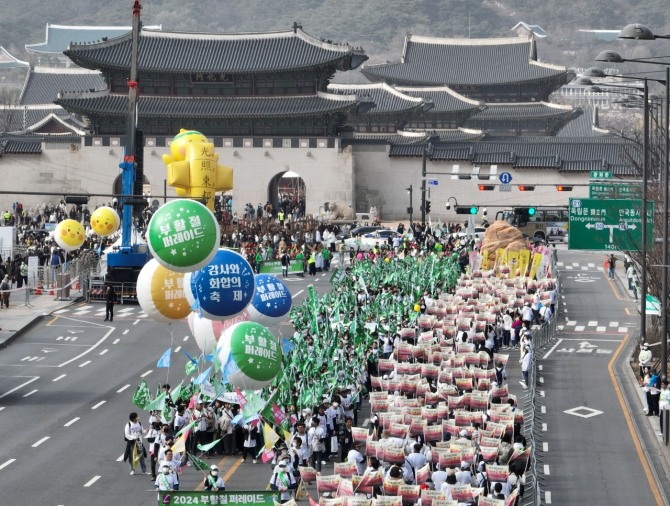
(600, 174)
(614, 191)
(608, 224)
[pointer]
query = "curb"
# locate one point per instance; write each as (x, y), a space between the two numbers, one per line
(23, 330)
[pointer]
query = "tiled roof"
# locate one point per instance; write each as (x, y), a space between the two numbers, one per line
(524, 110)
(58, 37)
(536, 30)
(7, 61)
(387, 99)
(19, 146)
(444, 99)
(19, 117)
(569, 154)
(435, 61)
(44, 83)
(204, 107)
(582, 126)
(174, 52)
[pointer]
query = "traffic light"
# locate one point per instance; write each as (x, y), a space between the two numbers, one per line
(562, 188)
(526, 188)
(76, 199)
(486, 187)
(467, 209)
(427, 206)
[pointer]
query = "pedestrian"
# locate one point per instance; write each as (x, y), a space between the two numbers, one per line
(166, 481)
(226, 428)
(316, 437)
(5, 286)
(285, 263)
(653, 393)
(284, 482)
(644, 358)
(636, 283)
(110, 300)
(214, 482)
(611, 265)
(173, 462)
(133, 433)
(663, 403)
(630, 274)
(525, 364)
(250, 432)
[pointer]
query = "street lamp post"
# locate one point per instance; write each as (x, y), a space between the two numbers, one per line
(645, 170)
(427, 147)
(409, 209)
(666, 198)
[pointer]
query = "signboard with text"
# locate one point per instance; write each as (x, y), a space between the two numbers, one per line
(216, 498)
(614, 191)
(612, 225)
(600, 174)
(274, 267)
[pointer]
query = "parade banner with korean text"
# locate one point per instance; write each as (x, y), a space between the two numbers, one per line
(216, 498)
(274, 267)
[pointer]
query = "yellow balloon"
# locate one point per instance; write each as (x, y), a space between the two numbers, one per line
(417, 308)
(69, 234)
(180, 143)
(105, 221)
(160, 292)
(387, 260)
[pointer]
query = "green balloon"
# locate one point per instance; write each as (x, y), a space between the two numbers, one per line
(255, 351)
(183, 235)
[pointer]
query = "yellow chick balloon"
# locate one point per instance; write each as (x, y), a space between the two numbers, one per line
(180, 144)
(105, 221)
(69, 235)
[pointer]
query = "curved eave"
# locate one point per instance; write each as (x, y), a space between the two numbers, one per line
(216, 108)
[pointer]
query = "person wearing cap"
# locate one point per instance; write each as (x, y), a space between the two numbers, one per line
(166, 481)
(283, 481)
(644, 358)
(464, 477)
(214, 482)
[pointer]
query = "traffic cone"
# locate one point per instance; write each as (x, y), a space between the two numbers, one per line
(76, 284)
(38, 290)
(51, 289)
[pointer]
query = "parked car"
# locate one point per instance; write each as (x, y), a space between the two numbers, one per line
(368, 241)
(357, 231)
(479, 233)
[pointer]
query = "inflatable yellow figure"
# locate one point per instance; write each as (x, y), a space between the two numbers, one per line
(194, 169)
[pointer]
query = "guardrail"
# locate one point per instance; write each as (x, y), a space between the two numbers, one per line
(532, 408)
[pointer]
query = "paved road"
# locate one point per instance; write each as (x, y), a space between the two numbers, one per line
(589, 455)
(65, 394)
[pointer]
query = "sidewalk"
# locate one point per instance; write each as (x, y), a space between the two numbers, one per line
(19, 318)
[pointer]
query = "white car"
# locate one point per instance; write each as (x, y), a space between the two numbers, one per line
(366, 242)
(479, 233)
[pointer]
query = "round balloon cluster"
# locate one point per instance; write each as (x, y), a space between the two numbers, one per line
(69, 235)
(105, 221)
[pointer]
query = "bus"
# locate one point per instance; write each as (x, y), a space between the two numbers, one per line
(549, 224)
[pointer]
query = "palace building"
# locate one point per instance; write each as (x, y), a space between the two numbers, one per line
(267, 103)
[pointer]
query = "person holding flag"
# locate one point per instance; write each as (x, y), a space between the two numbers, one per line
(284, 482)
(214, 482)
(133, 433)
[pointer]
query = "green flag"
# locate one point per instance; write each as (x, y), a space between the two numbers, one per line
(186, 427)
(207, 447)
(197, 463)
(254, 404)
(157, 404)
(176, 391)
(142, 395)
(190, 367)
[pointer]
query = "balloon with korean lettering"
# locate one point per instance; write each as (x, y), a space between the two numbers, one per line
(69, 235)
(160, 293)
(254, 354)
(271, 301)
(207, 332)
(105, 221)
(183, 235)
(225, 287)
(189, 288)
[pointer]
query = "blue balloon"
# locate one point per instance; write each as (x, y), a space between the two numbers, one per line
(225, 286)
(271, 301)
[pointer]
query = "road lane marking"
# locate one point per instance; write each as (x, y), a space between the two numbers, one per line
(124, 387)
(30, 393)
(120, 459)
(91, 481)
(546, 470)
(147, 373)
(579, 328)
(552, 349)
(593, 340)
(104, 351)
(601, 329)
(592, 323)
(186, 338)
(58, 378)
(93, 347)
(126, 331)
(614, 324)
(73, 421)
(116, 340)
(84, 364)
(35, 378)
(544, 427)
(571, 323)
(296, 294)
(547, 497)
(5, 464)
(2, 407)
(540, 367)
(177, 349)
(39, 442)
(623, 330)
(631, 428)
(545, 447)
(543, 409)
(136, 322)
(98, 405)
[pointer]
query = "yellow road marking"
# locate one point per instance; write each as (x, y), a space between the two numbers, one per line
(53, 320)
(629, 422)
(615, 290)
(628, 312)
(227, 476)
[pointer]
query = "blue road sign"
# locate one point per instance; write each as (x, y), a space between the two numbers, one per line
(433, 182)
(505, 177)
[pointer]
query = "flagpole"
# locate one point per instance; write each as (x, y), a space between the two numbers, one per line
(167, 374)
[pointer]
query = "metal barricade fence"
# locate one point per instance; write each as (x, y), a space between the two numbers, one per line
(532, 408)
